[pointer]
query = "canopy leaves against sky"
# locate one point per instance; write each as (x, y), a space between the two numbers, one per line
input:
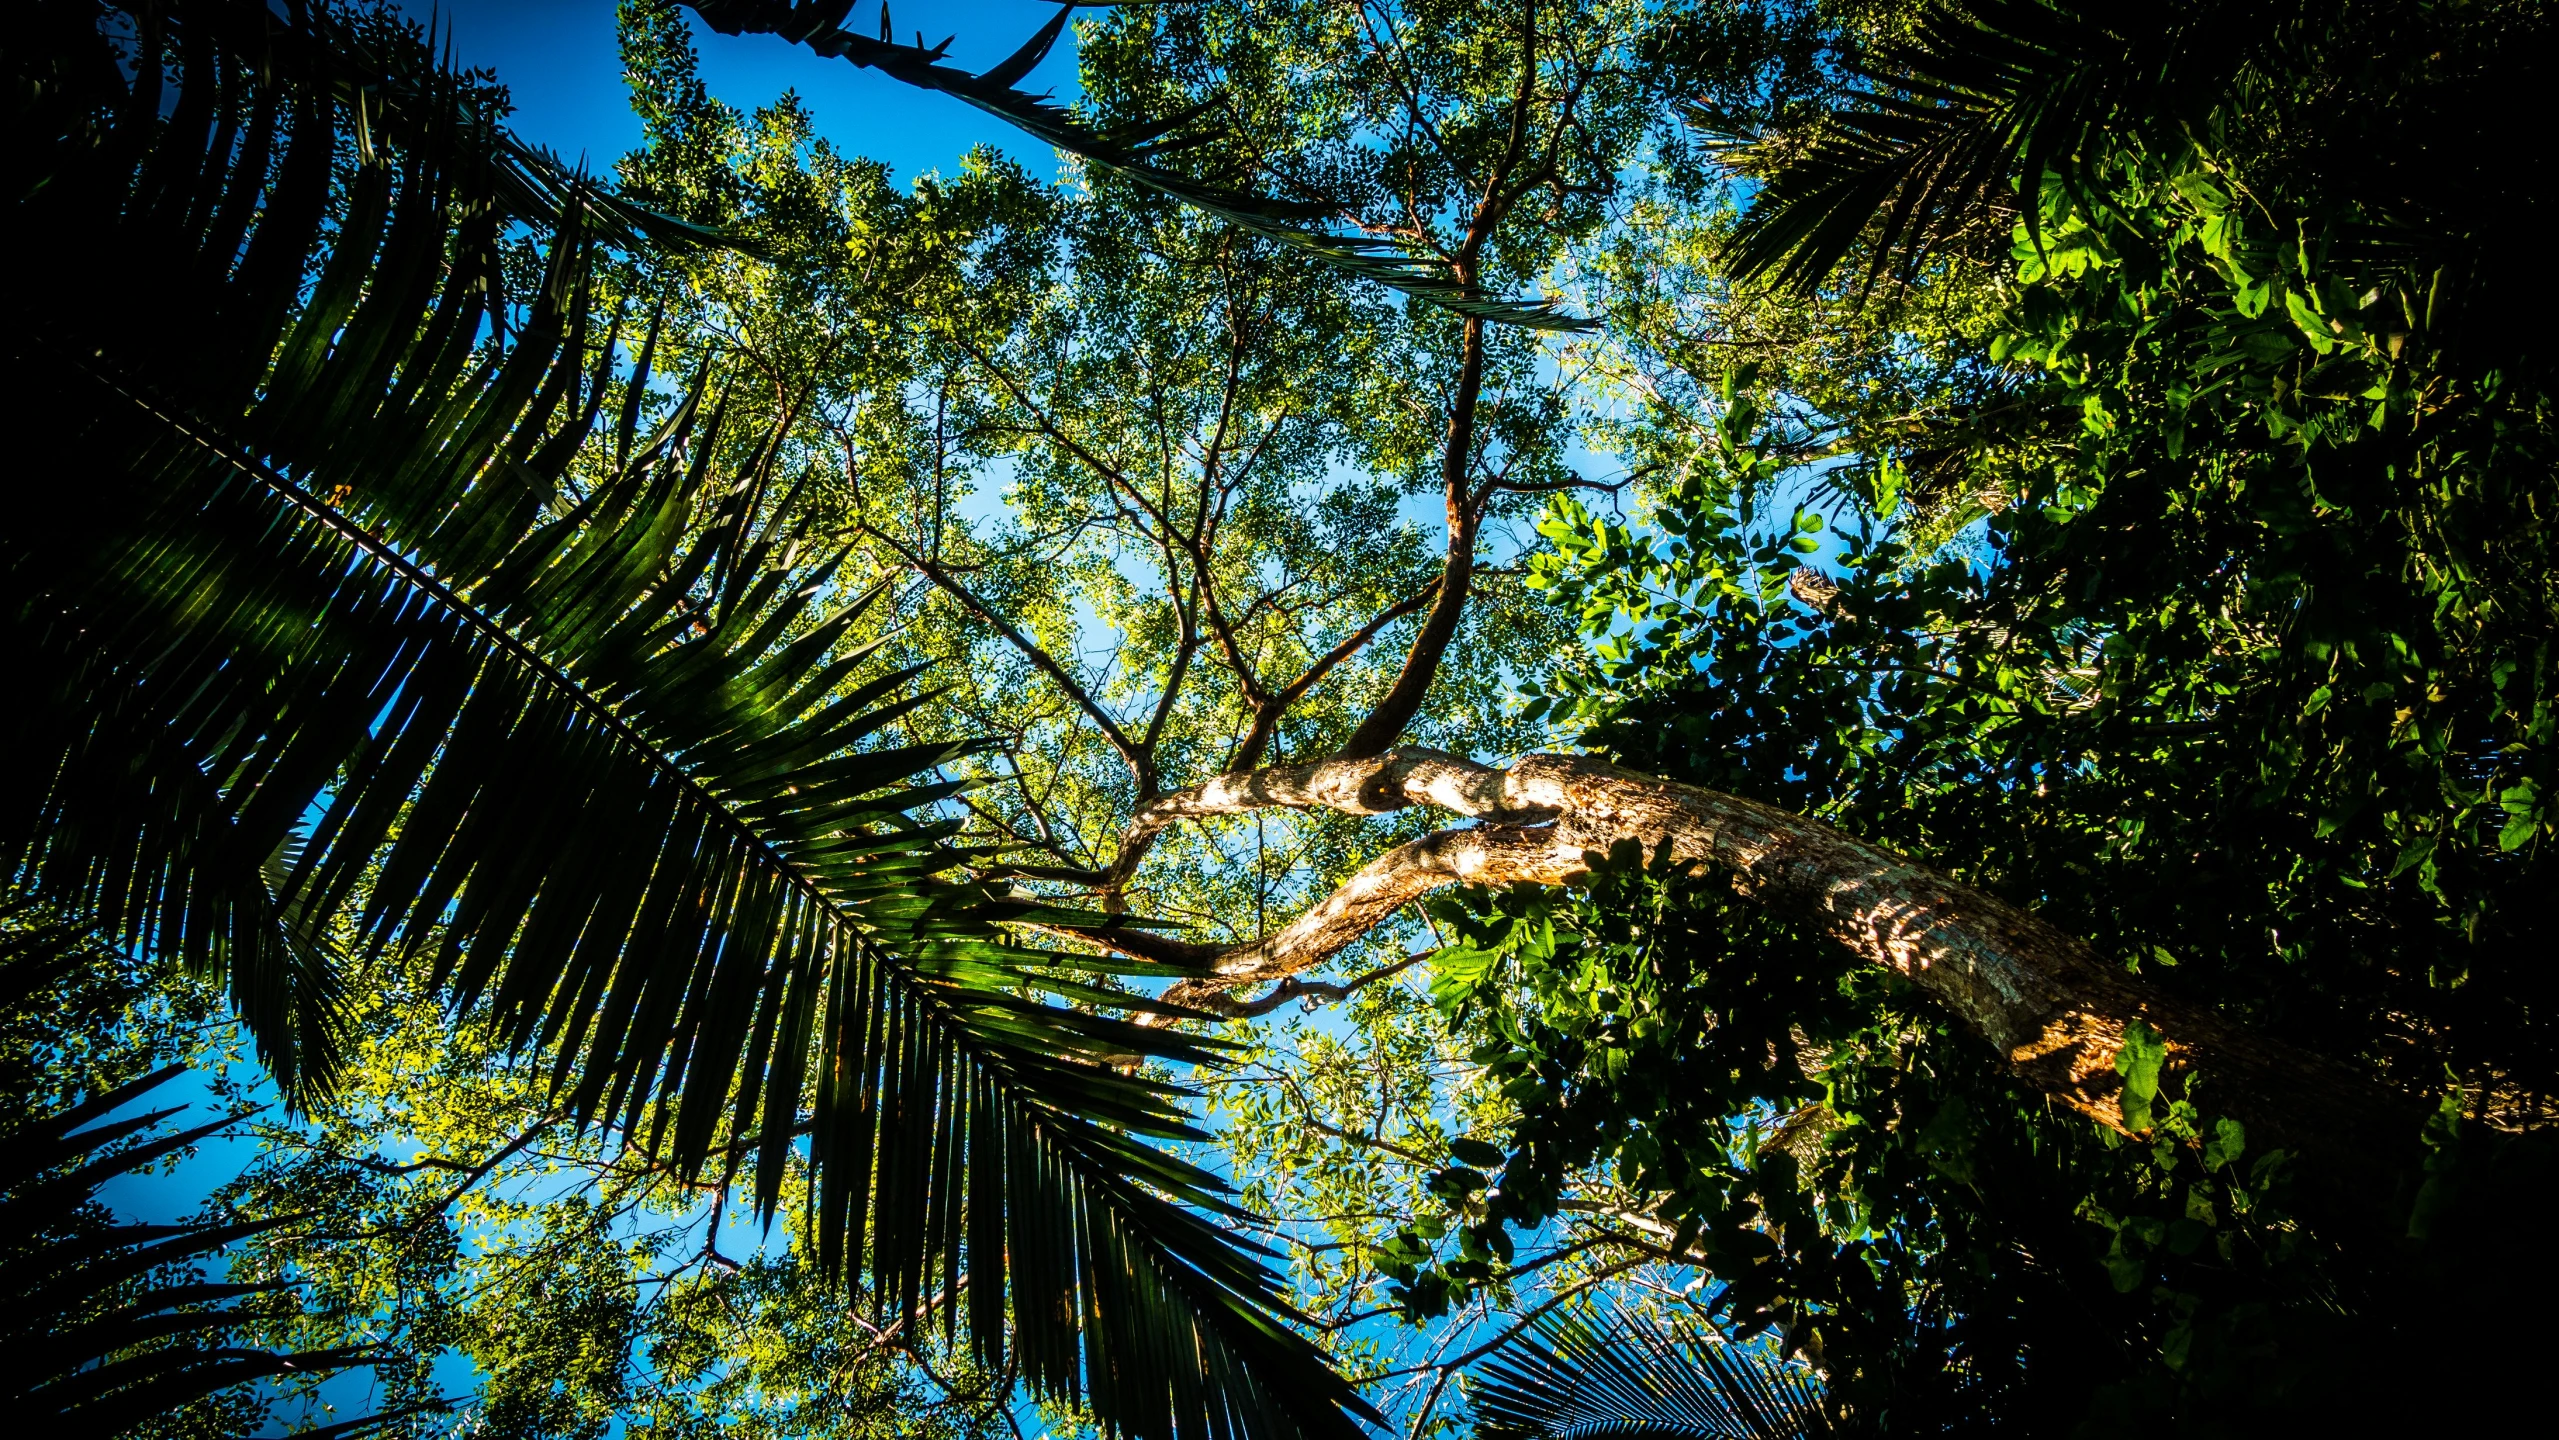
(2100, 451)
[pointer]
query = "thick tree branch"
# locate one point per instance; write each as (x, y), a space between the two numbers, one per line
(1367, 787)
(1474, 855)
(1385, 724)
(2036, 994)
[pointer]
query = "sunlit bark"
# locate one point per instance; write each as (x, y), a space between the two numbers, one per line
(2033, 992)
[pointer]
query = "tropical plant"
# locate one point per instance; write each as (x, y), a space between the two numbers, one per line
(1658, 1052)
(1971, 110)
(2182, 604)
(336, 607)
(1567, 1378)
(2209, 617)
(110, 1326)
(2066, 1024)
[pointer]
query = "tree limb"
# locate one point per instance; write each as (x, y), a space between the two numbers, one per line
(1267, 713)
(1385, 723)
(1140, 761)
(2038, 995)
(1313, 992)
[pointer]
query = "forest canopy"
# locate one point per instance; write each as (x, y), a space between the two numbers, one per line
(1706, 718)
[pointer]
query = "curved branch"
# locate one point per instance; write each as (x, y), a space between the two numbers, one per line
(2037, 994)
(1473, 855)
(1313, 992)
(1372, 785)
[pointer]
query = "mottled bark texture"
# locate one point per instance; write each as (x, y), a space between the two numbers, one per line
(2038, 995)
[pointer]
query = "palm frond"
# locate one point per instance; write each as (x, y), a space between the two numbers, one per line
(322, 638)
(1138, 151)
(1567, 1380)
(103, 1324)
(1984, 99)
(378, 67)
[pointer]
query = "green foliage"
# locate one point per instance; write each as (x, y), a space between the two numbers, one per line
(460, 1213)
(2204, 606)
(2163, 549)
(355, 615)
(1608, 1017)
(1569, 1377)
(1141, 149)
(440, 1209)
(1149, 479)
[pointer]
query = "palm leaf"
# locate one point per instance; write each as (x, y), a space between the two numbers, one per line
(100, 1335)
(316, 619)
(1138, 152)
(1982, 101)
(375, 65)
(1568, 1380)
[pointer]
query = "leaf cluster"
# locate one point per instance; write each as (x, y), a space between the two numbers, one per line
(2234, 666)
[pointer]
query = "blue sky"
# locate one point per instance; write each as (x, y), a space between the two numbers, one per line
(559, 60)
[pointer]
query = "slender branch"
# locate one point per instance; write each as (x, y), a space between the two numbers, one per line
(1141, 765)
(1545, 487)
(1354, 1318)
(1559, 1255)
(1659, 1238)
(1526, 1319)
(1313, 992)
(1044, 424)
(1365, 1142)
(481, 1172)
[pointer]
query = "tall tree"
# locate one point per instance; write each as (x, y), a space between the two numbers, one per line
(1435, 127)
(2159, 493)
(2145, 169)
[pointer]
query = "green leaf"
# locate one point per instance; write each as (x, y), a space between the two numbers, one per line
(2307, 319)
(2138, 1061)
(1458, 972)
(2522, 804)
(1140, 154)
(2229, 1141)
